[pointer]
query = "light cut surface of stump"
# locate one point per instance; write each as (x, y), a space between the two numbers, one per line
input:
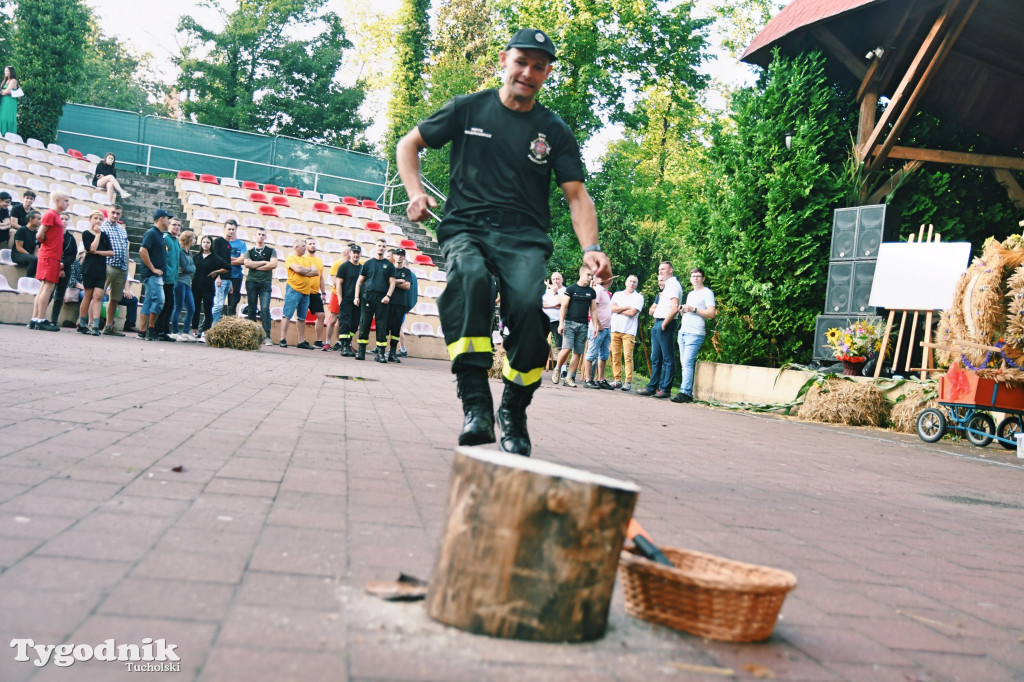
(530, 549)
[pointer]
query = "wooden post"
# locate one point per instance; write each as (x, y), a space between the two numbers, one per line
(530, 549)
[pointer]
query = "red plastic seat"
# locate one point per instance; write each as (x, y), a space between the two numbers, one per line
(292, 192)
(423, 259)
(271, 189)
(210, 179)
(186, 175)
(249, 184)
(268, 210)
(258, 198)
(342, 210)
(279, 200)
(350, 201)
(370, 203)
(409, 245)
(321, 207)
(75, 154)
(373, 226)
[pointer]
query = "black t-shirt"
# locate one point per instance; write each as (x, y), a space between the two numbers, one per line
(266, 254)
(5, 232)
(349, 273)
(377, 274)
(579, 303)
(27, 238)
(502, 160)
(95, 266)
(222, 249)
(401, 295)
(19, 215)
(153, 242)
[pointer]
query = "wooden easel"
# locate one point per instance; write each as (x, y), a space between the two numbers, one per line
(932, 237)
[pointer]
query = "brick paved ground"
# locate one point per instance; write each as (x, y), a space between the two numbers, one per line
(299, 486)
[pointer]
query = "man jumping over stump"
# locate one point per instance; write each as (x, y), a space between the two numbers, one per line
(505, 146)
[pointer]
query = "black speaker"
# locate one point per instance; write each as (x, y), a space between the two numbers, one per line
(844, 234)
(839, 288)
(858, 232)
(871, 230)
(822, 351)
(863, 276)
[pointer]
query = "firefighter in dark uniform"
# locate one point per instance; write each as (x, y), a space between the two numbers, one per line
(505, 147)
(348, 312)
(399, 304)
(374, 287)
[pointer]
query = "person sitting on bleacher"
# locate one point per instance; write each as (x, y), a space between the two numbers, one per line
(19, 212)
(23, 252)
(105, 178)
(5, 219)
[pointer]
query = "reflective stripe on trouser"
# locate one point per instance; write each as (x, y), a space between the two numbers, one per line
(348, 320)
(371, 307)
(396, 314)
(517, 257)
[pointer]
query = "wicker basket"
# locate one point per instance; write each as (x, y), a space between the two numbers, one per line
(705, 595)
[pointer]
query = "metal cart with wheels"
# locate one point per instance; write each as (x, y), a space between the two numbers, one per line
(966, 401)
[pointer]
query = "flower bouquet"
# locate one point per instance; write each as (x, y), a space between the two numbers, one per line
(855, 344)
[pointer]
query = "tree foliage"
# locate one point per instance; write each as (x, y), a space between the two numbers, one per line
(49, 53)
(114, 76)
(763, 233)
(253, 75)
(408, 86)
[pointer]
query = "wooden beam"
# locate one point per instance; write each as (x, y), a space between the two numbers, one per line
(839, 50)
(922, 87)
(923, 53)
(893, 60)
(1012, 187)
(958, 158)
(868, 115)
(874, 71)
(892, 183)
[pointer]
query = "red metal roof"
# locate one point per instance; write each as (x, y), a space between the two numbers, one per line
(795, 16)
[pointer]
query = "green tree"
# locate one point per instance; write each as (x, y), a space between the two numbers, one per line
(763, 232)
(408, 87)
(114, 76)
(6, 32)
(252, 76)
(49, 52)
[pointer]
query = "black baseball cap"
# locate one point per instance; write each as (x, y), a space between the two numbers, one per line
(161, 213)
(355, 247)
(533, 39)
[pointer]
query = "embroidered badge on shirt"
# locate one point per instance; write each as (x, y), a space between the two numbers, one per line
(477, 132)
(539, 149)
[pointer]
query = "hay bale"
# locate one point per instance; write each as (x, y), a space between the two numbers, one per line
(843, 401)
(499, 360)
(235, 332)
(903, 416)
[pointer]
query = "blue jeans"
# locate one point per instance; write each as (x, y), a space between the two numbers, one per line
(220, 296)
(663, 356)
(599, 346)
(689, 346)
(182, 298)
(261, 291)
(294, 302)
(153, 301)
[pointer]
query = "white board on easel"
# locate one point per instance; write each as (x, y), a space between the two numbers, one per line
(918, 275)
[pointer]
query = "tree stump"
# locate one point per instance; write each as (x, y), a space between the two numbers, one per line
(530, 549)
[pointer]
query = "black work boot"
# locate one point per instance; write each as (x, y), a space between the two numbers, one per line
(361, 355)
(512, 418)
(391, 355)
(379, 354)
(477, 406)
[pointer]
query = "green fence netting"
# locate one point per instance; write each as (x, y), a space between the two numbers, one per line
(153, 144)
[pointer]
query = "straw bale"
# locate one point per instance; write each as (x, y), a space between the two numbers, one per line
(841, 401)
(944, 337)
(903, 416)
(979, 313)
(235, 332)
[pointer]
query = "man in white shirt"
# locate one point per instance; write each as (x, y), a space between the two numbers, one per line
(663, 336)
(552, 302)
(626, 307)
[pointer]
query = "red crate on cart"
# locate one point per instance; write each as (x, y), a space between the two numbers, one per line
(967, 388)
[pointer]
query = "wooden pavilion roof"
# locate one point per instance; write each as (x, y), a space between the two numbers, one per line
(979, 84)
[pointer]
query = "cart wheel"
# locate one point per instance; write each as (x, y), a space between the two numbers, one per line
(980, 422)
(1008, 429)
(931, 425)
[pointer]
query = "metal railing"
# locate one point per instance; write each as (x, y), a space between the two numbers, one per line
(395, 184)
(149, 166)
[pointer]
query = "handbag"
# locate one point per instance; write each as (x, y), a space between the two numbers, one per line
(17, 92)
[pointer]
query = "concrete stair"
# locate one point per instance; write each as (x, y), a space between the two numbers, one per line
(148, 193)
(424, 238)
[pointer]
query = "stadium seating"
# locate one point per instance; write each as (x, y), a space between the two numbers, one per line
(75, 154)
(342, 210)
(206, 177)
(229, 182)
(321, 207)
(258, 197)
(271, 189)
(250, 185)
(292, 192)
(423, 259)
(373, 227)
(350, 201)
(409, 245)
(186, 175)
(268, 210)
(370, 203)
(279, 201)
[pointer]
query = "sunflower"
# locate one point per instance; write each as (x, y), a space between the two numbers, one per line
(832, 335)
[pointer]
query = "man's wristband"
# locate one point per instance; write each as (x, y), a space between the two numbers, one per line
(592, 247)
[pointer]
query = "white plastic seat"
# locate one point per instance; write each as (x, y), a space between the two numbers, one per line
(5, 257)
(80, 193)
(79, 165)
(38, 185)
(228, 182)
(275, 225)
(15, 164)
(214, 190)
(248, 221)
(421, 329)
(224, 217)
(296, 228)
(37, 155)
(390, 241)
(14, 150)
(204, 215)
(360, 212)
(419, 272)
(235, 193)
(221, 202)
(36, 169)
(279, 273)
(285, 240)
(331, 198)
(432, 291)
(58, 174)
(93, 158)
(311, 194)
(277, 312)
(286, 212)
(14, 179)
(364, 238)
(332, 220)
(310, 217)
(57, 187)
(4, 286)
(34, 143)
(275, 292)
(199, 200)
(100, 198)
(14, 137)
(191, 186)
(29, 285)
(80, 179)
(55, 160)
(79, 225)
(55, 148)
(438, 276)
(242, 234)
(354, 223)
(244, 207)
(321, 232)
(333, 247)
(393, 229)
(343, 235)
(213, 231)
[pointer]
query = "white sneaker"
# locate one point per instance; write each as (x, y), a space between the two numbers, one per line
(554, 377)
(126, 195)
(627, 387)
(268, 342)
